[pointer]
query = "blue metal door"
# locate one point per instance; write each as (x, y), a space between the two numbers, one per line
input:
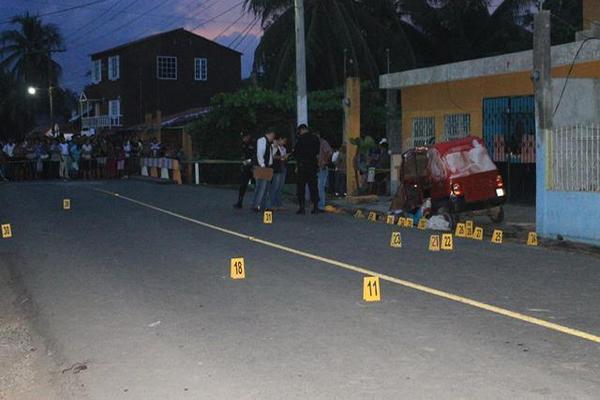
(509, 134)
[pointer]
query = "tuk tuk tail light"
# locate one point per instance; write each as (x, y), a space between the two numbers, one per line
(457, 189)
(499, 181)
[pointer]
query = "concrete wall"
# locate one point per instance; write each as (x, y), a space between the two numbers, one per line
(466, 96)
(573, 215)
(580, 103)
(461, 97)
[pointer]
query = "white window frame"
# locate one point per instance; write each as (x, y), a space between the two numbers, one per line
(423, 131)
(114, 68)
(111, 108)
(200, 69)
(158, 67)
(96, 71)
(457, 126)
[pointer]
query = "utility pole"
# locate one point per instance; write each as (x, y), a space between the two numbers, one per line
(542, 81)
(302, 101)
(50, 94)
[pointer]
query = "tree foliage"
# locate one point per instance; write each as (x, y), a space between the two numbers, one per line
(255, 109)
(26, 51)
(26, 60)
(417, 33)
(457, 30)
(359, 31)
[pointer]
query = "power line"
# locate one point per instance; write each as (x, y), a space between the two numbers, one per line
(128, 23)
(243, 32)
(246, 35)
(229, 26)
(562, 92)
(62, 11)
(217, 16)
(141, 15)
(175, 18)
(117, 14)
(97, 18)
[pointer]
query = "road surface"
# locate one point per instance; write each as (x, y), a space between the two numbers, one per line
(136, 287)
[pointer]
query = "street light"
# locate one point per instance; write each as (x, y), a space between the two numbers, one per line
(31, 90)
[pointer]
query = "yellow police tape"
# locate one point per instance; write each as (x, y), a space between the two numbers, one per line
(363, 271)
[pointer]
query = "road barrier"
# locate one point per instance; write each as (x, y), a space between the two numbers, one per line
(163, 168)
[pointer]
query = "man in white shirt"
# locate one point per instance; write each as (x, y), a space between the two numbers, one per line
(9, 148)
(154, 148)
(264, 158)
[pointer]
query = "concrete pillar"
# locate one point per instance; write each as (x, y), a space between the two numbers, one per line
(542, 81)
(393, 128)
(351, 130)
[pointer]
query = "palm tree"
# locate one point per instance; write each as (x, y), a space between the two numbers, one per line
(26, 52)
(360, 32)
(456, 30)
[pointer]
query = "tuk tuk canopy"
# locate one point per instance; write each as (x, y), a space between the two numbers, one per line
(459, 158)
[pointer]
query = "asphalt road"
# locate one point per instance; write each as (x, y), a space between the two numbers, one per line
(144, 299)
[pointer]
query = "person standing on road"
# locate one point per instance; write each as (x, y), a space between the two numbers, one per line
(325, 153)
(65, 156)
(86, 160)
(306, 153)
(279, 172)
(264, 158)
(248, 163)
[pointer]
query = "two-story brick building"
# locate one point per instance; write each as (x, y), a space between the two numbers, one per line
(166, 73)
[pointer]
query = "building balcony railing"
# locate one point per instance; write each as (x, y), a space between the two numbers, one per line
(101, 121)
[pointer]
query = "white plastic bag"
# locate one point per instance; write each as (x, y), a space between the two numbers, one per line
(438, 223)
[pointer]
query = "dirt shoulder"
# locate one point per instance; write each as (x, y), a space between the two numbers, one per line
(27, 371)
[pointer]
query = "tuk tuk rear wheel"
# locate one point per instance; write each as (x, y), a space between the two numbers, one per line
(497, 216)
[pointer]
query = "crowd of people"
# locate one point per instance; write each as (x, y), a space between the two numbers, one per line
(81, 157)
(319, 167)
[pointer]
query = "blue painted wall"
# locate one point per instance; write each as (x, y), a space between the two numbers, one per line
(574, 215)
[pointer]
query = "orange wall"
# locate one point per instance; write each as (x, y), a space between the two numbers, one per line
(466, 97)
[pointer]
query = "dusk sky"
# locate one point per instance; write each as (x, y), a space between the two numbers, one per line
(108, 23)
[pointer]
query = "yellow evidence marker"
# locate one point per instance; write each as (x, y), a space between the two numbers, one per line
(390, 220)
(402, 222)
(434, 243)
(469, 227)
(268, 217)
(497, 236)
(359, 214)
(66, 204)
(409, 223)
(238, 270)
(447, 242)
(478, 233)
(6, 231)
(396, 240)
(422, 224)
(371, 290)
(532, 239)
(461, 230)
(373, 216)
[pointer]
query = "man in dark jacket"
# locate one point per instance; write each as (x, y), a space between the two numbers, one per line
(249, 152)
(306, 153)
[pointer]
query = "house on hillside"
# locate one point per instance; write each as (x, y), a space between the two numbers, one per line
(156, 77)
(493, 98)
